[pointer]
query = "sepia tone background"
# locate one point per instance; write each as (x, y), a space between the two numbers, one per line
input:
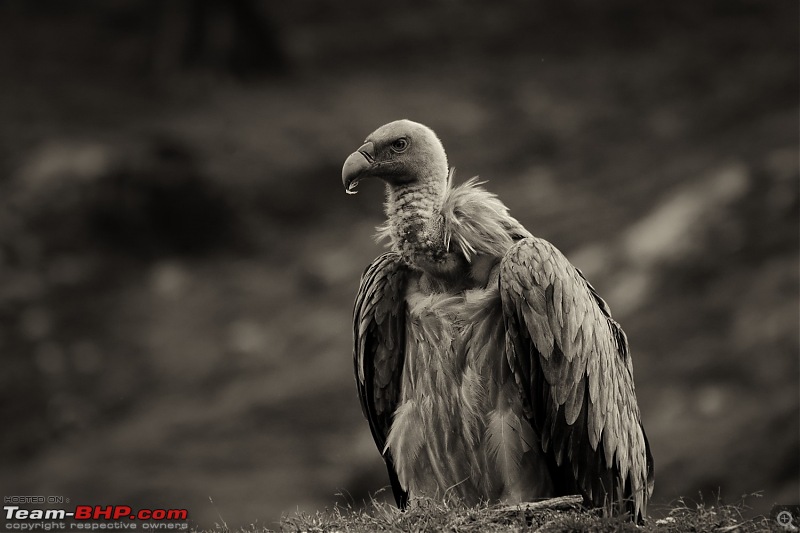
(178, 259)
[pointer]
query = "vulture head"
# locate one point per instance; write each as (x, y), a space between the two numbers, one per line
(402, 153)
(411, 160)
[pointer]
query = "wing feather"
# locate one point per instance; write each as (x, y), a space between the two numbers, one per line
(379, 350)
(572, 365)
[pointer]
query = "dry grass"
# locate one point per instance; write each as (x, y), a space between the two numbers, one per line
(559, 514)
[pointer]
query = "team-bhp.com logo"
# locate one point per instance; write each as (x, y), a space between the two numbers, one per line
(93, 517)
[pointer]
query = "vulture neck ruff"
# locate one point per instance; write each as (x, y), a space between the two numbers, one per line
(448, 232)
(415, 227)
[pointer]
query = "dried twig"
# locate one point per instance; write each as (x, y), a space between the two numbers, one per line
(561, 503)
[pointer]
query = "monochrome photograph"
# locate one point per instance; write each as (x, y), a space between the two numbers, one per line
(431, 266)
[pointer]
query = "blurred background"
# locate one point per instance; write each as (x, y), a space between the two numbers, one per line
(178, 259)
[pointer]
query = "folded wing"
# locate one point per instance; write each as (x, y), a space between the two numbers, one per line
(379, 349)
(572, 365)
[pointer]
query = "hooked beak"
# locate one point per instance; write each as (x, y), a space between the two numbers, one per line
(356, 165)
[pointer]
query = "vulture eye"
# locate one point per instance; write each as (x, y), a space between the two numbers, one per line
(400, 145)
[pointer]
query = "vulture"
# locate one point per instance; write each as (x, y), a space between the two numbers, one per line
(488, 367)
